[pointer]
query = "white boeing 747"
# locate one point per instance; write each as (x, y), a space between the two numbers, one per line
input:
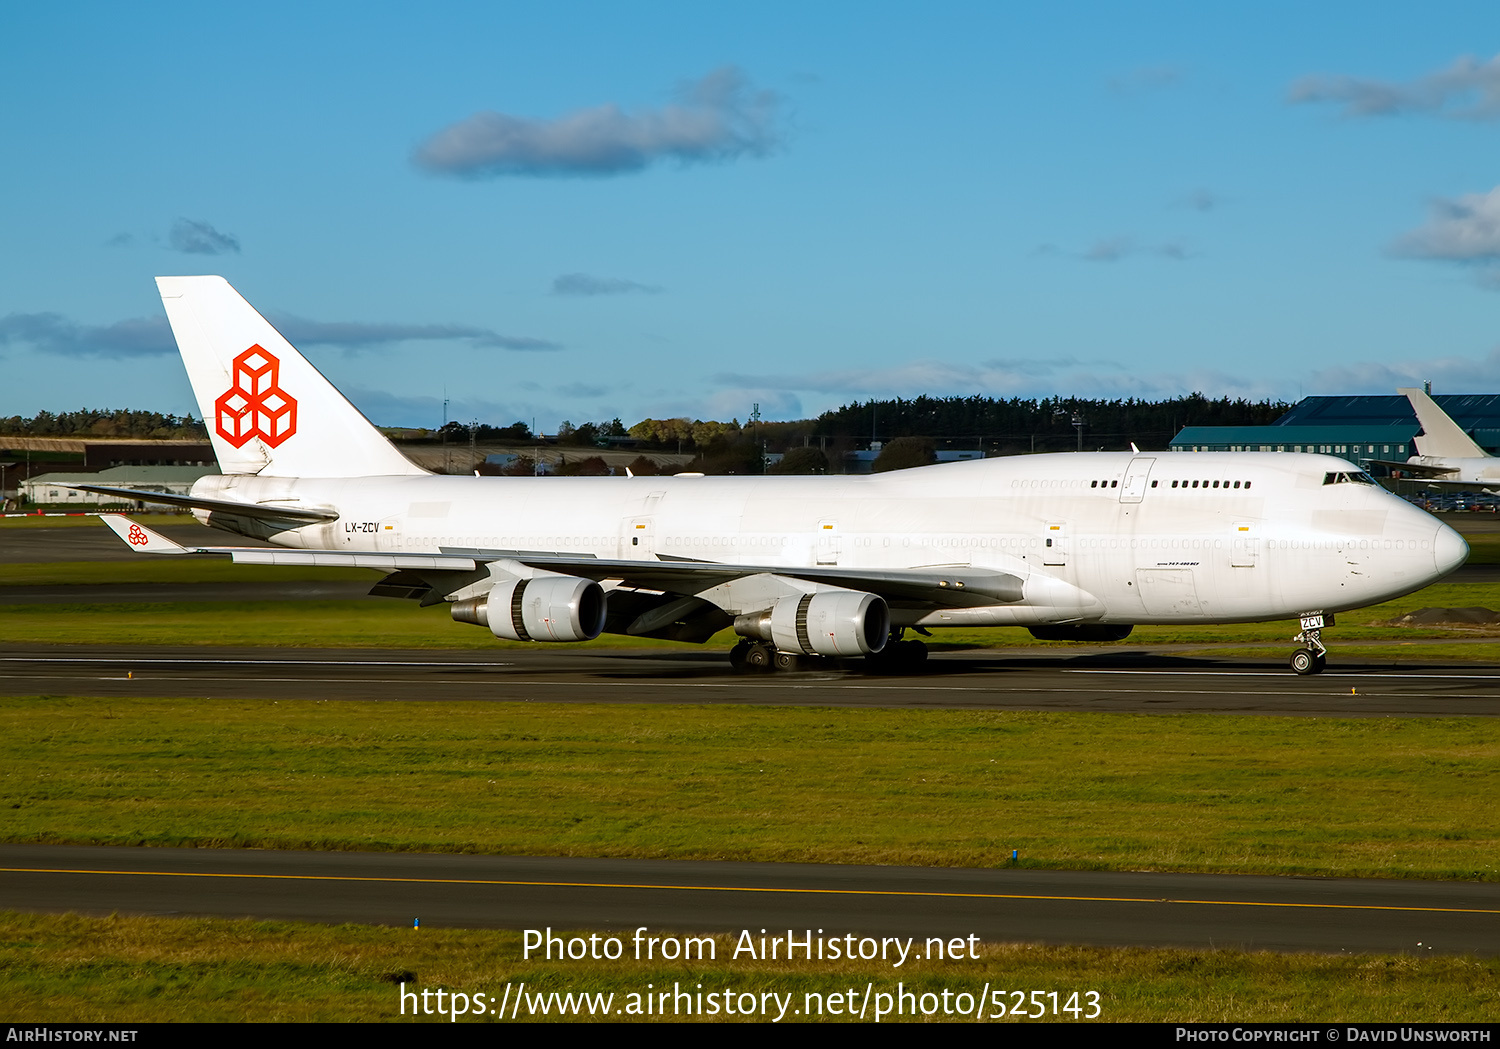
(1076, 546)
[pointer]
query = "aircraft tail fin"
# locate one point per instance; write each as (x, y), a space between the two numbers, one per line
(268, 410)
(1441, 436)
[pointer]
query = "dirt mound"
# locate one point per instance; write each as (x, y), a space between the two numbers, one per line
(1448, 616)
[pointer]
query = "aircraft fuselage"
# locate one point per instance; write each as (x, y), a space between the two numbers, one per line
(1110, 538)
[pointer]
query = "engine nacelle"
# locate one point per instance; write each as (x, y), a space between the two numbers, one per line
(827, 623)
(545, 608)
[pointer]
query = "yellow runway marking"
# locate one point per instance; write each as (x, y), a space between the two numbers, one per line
(749, 888)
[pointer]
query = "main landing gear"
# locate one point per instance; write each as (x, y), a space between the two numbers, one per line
(1314, 657)
(897, 657)
(762, 657)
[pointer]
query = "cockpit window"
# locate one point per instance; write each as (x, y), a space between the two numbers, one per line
(1351, 477)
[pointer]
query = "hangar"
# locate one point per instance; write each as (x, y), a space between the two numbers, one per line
(1355, 427)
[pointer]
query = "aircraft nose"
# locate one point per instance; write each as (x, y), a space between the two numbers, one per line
(1448, 550)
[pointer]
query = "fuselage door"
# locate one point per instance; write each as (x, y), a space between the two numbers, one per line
(1055, 543)
(638, 534)
(388, 535)
(1136, 474)
(1244, 548)
(1169, 593)
(827, 542)
(638, 541)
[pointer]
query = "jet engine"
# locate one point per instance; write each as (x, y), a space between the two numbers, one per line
(827, 623)
(544, 608)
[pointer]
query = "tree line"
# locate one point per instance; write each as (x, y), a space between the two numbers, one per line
(106, 422)
(918, 427)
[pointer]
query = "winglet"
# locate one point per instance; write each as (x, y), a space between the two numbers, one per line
(141, 538)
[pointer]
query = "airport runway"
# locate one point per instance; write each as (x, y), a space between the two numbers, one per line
(1104, 680)
(619, 896)
(94, 542)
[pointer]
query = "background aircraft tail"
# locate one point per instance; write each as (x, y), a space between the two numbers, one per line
(1442, 437)
(267, 409)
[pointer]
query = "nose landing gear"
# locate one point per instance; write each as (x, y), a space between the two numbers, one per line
(1314, 657)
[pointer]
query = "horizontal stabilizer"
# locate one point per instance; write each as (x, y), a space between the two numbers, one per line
(1418, 469)
(259, 511)
(142, 538)
(151, 542)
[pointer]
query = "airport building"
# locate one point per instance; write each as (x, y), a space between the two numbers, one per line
(1353, 427)
(50, 488)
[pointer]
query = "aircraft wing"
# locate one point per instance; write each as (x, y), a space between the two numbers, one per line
(260, 511)
(954, 587)
(951, 587)
(1413, 468)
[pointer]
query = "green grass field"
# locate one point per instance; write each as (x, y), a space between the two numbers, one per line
(143, 970)
(1386, 797)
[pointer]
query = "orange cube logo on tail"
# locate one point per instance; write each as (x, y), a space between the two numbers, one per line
(256, 405)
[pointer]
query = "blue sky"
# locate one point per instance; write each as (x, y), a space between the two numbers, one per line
(585, 211)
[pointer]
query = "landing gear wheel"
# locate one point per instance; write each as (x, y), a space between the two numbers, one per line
(897, 657)
(759, 657)
(738, 655)
(1306, 661)
(915, 654)
(786, 661)
(1312, 658)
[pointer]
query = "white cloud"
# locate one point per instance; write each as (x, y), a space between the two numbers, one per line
(199, 238)
(1200, 200)
(389, 409)
(356, 335)
(1114, 249)
(718, 118)
(1111, 249)
(738, 404)
(583, 284)
(53, 333)
(1451, 374)
(1469, 89)
(1147, 78)
(1466, 229)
